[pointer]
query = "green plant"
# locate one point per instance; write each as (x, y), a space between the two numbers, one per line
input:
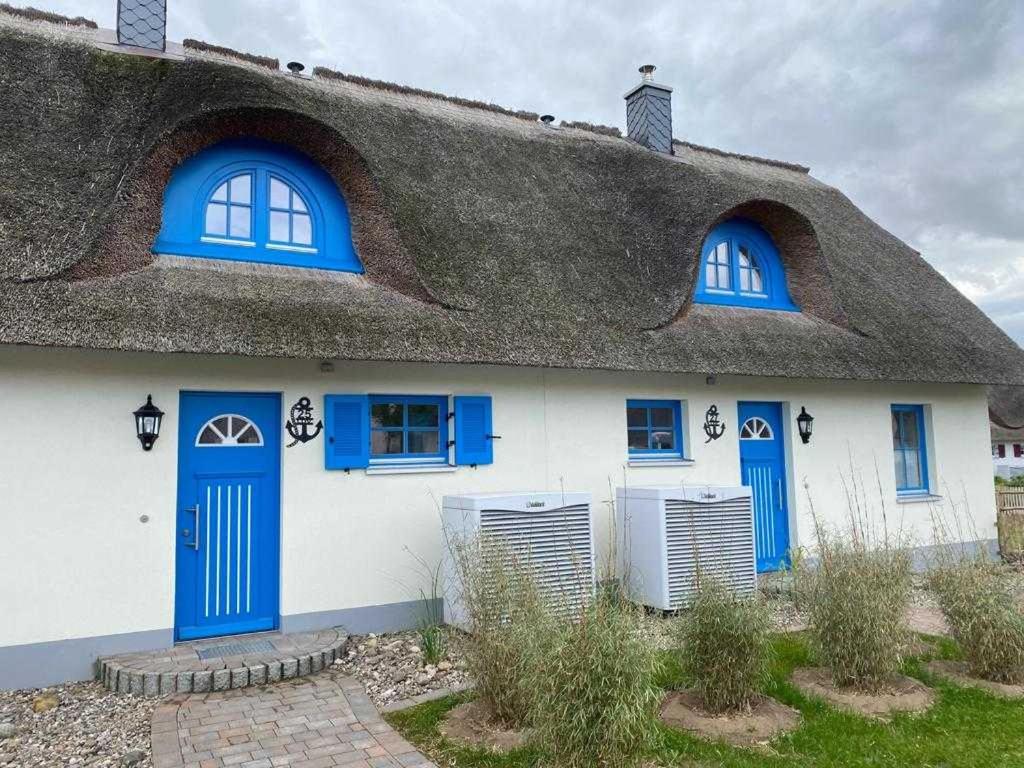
(856, 596)
(594, 687)
(725, 646)
(976, 601)
(507, 620)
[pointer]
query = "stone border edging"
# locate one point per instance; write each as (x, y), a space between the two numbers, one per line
(423, 698)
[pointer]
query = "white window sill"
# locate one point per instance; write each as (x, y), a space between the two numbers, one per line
(917, 498)
(421, 469)
(661, 462)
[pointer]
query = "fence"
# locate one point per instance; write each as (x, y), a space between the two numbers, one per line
(1010, 522)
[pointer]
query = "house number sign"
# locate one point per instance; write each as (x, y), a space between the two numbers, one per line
(714, 427)
(301, 420)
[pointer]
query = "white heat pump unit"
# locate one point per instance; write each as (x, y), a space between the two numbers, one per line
(665, 533)
(551, 531)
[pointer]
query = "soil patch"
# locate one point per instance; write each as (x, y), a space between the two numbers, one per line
(768, 718)
(903, 694)
(959, 673)
(475, 725)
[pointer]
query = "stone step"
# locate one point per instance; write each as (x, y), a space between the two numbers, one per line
(189, 668)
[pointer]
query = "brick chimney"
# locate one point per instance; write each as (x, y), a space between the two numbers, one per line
(142, 23)
(649, 113)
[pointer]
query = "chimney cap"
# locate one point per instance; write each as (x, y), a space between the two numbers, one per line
(547, 119)
(296, 67)
(647, 70)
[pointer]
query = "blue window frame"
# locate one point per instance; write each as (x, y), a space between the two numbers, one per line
(741, 267)
(408, 429)
(654, 428)
(910, 452)
(251, 200)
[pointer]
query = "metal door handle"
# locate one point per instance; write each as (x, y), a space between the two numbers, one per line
(195, 518)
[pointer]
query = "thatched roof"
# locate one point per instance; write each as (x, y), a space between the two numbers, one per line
(1006, 413)
(487, 237)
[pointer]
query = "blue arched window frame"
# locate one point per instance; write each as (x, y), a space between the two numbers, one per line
(193, 183)
(740, 236)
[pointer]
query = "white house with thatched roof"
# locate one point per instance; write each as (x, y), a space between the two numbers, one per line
(255, 324)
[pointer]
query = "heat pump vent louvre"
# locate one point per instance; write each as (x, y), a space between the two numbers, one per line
(669, 535)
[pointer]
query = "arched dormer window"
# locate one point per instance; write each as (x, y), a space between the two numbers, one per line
(741, 267)
(250, 200)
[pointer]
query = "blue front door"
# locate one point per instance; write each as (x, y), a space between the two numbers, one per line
(762, 467)
(228, 532)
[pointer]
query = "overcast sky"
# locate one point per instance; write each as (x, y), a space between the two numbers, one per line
(914, 109)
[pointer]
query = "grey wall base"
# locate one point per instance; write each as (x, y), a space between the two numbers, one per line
(392, 617)
(36, 665)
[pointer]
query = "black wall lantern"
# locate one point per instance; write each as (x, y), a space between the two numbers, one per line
(147, 423)
(805, 423)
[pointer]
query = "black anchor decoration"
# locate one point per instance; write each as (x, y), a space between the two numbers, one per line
(714, 428)
(301, 420)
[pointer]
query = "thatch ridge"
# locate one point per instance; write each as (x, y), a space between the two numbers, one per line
(583, 125)
(485, 239)
(750, 158)
(384, 85)
(261, 61)
(34, 14)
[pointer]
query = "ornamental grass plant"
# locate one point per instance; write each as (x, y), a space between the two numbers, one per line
(976, 600)
(595, 697)
(856, 594)
(725, 646)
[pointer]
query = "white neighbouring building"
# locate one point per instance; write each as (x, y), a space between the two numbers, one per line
(1006, 414)
(350, 299)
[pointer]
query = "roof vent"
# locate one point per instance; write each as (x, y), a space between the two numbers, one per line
(142, 23)
(547, 119)
(296, 67)
(649, 112)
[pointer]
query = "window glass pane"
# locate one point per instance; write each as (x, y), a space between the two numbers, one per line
(724, 280)
(638, 439)
(240, 189)
(209, 437)
(302, 232)
(662, 417)
(279, 194)
(297, 203)
(386, 415)
(279, 226)
(221, 425)
(249, 436)
(756, 283)
(239, 221)
(663, 440)
(384, 443)
(901, 470)
(744, 279)
(896, 430)
(709, 276)
(912, 461)
(744, 257)
(910, 438)
(423, 415)
(222, 193)
(636, 417)
(423, 442)
(722, 253)
(216, 219)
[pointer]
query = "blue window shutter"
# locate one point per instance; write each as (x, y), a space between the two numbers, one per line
(347, 445)
(474, 442)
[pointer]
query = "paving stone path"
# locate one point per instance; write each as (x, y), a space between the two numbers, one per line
(310, 722)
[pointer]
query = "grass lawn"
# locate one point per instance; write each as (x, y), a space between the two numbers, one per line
(965, 728)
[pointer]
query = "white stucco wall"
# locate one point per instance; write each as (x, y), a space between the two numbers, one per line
(73, 480)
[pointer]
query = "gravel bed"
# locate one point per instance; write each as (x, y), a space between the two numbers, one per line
(78, 724)
(392, 667)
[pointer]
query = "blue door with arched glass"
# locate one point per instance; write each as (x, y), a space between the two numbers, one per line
(228, 532)
(763, 469)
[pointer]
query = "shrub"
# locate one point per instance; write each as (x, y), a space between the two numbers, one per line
(725, 647)
(595, 695)
(508, 620)
(856, 598)
(976, 601)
